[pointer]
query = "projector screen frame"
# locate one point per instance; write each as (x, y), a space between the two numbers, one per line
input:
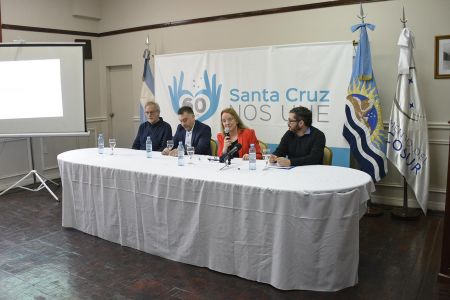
(77, 133)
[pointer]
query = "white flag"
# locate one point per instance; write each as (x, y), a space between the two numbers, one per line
(408, 132)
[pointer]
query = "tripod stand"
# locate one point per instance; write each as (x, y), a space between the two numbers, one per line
(35, 174)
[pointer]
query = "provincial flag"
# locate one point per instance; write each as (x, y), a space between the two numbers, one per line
(148, 86)
(408, 131)
(363, 127)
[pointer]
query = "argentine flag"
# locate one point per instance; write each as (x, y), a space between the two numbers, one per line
(363, 126)
(408, 129)
(148, 87)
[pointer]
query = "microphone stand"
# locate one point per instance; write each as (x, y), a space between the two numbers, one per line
(226, 164)
(229, 156)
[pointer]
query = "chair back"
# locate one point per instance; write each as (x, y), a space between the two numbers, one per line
(263, 146)
(213, 145)
(327, 156)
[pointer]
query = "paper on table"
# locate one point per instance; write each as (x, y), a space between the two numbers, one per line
(276, 166)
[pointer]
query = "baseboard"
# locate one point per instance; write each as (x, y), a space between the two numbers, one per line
(398, 201)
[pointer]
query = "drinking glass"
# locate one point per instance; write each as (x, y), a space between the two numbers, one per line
(266, 155)
(190, 151)
(112, 145)
(169, 144)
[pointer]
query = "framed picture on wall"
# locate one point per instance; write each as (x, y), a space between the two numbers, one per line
(442, 57)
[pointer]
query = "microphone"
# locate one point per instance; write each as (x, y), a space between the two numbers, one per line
(227, 132)
(229, 154)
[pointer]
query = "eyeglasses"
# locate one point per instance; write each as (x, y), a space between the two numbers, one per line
(292, 121)
(151, 112)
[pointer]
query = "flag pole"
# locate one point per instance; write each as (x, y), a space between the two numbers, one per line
(403, 20)
(405, 213)
(146, 54)
(372, 211)
(361, 15)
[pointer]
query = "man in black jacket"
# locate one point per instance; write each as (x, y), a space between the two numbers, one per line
(302, 144)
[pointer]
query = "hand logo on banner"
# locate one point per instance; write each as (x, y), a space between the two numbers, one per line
(204, 102)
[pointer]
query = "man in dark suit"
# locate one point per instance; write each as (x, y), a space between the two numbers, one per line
(190, 132)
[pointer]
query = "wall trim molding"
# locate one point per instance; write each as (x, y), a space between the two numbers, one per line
(240, 15)
(51, 168)
(48, 30)
(224, 17)
(96, 119)
(17, 174)
(12, 139)
(438, 125)
(434, 203)
(400, 186)
(398, 201)
(439, 142)
(431, 125)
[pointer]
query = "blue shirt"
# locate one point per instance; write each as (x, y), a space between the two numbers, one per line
(159, 132)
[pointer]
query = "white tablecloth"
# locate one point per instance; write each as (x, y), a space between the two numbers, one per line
(293, 229)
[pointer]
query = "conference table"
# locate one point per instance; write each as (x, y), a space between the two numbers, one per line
(294, 228)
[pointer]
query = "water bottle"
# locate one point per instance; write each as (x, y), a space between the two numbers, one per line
(148, 147)
(252, 157)
(101, 144)
(180, 154)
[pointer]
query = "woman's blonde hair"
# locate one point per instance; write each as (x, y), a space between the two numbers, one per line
(233, 113)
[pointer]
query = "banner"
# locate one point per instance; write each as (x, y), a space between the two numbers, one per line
(363, 128)
(408, 129)
(262, 84)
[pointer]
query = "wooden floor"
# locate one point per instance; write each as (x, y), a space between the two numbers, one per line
(41, 260)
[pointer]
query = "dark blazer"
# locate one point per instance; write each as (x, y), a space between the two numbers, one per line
(201, 137)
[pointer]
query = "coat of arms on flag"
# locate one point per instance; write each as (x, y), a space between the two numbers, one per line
(363, 128)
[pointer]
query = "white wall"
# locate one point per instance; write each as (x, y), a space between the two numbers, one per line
(57, 14)
(426, 18)
(119, 14)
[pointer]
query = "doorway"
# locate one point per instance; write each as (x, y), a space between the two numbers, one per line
(121, 105)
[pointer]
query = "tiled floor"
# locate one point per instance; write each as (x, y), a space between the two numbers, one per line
(41, 260)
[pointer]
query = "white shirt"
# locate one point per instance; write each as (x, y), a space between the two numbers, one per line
(188, 137)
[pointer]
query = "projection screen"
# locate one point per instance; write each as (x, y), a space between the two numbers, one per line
(42, 90)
